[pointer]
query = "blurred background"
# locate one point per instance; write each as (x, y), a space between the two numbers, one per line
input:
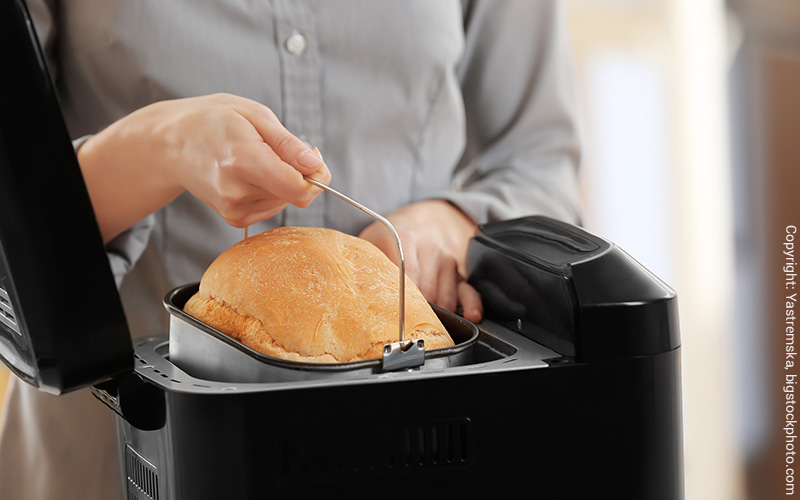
(691, 115)
(692, 164)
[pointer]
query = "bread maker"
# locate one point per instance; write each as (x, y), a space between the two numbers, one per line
(571, 389)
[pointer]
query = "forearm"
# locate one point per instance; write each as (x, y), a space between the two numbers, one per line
(124, 184)
(231, 153)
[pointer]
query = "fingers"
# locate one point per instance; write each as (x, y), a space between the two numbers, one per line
(272, 175)
(441, 284)
(284, 158)
(435, 275)
(231, 153)
(249, 214)
(470, 300)
(446, 288)
(258, 185)
(434, 271)
(288, 148)
(322, 174)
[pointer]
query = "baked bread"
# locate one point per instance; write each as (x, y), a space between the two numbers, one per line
(313, 295)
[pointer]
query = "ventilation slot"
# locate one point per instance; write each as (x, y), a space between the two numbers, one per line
(7, 315)
(445, 444)
(428, 445)
(142, 477)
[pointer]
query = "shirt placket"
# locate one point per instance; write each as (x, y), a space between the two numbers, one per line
(297, 40)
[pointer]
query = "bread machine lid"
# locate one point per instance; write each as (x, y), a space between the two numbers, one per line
(571, 291)
(62, 326)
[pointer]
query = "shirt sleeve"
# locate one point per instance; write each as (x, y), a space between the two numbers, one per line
(523, 149)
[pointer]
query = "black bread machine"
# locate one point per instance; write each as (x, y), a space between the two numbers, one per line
(571, 388)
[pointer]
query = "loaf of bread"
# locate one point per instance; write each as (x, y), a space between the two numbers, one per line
(313, 295)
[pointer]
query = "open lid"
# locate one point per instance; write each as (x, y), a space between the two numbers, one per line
(62, 326)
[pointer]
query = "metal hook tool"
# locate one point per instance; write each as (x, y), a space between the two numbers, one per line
(394, 234)
(392, 231)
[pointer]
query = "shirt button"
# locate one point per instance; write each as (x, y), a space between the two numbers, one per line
(296, 44)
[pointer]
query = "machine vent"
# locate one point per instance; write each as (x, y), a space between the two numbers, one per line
(142, 477)
(423, 445)
(7, 315)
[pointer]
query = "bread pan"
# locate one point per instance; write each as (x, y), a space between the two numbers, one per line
(207, 353)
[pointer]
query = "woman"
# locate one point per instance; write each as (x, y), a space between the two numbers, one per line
(194, 118)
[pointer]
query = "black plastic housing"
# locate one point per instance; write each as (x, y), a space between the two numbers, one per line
(62, 323)
(571, 291)
(608, 429)
(598, 421)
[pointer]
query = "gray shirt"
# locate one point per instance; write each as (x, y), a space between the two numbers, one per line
(472, 102)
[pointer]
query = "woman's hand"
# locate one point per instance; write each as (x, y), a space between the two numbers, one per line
(230, 152)
(435, 236)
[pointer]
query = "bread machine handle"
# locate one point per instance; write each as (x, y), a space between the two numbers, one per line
(137, 401)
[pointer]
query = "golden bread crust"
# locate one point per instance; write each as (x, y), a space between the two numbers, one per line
(312, 295)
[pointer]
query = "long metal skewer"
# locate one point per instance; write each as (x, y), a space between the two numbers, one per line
(392, 231)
